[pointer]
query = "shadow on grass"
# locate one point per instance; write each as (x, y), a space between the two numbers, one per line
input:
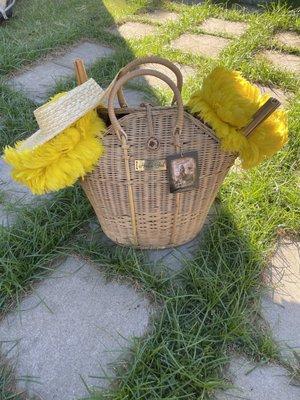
(207, 312)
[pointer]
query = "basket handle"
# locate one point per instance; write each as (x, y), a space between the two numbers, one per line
(149, 60)
(133, 74)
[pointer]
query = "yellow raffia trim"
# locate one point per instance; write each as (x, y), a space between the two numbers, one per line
(59, 162)
(227, 103)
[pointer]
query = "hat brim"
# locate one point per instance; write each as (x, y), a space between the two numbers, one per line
(55, 116)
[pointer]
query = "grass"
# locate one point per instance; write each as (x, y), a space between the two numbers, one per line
(7, 383)
(30, 244)
(211, 311)
(212, 307)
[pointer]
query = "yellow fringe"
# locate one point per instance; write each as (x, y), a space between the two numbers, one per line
(59, 162)
(227, 103)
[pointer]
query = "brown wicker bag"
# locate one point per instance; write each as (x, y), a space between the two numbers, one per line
(136, 208)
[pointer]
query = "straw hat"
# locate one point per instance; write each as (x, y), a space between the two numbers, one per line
(55, 116)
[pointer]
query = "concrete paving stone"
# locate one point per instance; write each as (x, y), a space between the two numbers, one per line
(206, 45)
(281, 307)
(13, 194)
(151, 81)
(161, 16)
(69, 331)
(215, 25)
(133, 97)
(284, 61)
(93, 232)
(38, 81)
(133, 30)
(279, 94)
(254, 382)
(88, 51)
(291, 39)
(13, 191)
(174, 259)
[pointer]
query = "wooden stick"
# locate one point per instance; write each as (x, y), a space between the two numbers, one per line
(81, 75)
(261, 115)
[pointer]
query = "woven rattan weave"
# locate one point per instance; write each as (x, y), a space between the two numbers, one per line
(136, 208)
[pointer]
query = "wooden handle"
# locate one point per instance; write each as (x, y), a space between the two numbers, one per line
(261, 115)
(81, 75)
(142, 72)
(133, 65)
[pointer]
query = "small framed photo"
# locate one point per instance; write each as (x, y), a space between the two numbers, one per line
(183, 171)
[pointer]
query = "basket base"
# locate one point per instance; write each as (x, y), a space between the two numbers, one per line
(155, 247)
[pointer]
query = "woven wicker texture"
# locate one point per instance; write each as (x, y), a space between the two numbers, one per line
(136, 208)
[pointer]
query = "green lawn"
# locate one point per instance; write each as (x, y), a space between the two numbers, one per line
(215, 309)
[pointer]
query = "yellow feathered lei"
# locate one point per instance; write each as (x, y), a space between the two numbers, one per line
(227, 103)
(61, 161)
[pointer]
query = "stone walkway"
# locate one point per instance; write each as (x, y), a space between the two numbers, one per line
(206, 45)
(12, 194)
(219, 26)
(133, 30)
(151, 81)
(281, 311)
(287, 62)
(281, 307)
(161, 16)
(256, 382)
(289, 39)
(38, 81)
(76, 322)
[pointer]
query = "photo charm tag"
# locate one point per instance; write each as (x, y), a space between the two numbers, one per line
(183, 171)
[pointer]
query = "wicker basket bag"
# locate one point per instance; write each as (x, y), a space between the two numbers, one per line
(134, 206)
